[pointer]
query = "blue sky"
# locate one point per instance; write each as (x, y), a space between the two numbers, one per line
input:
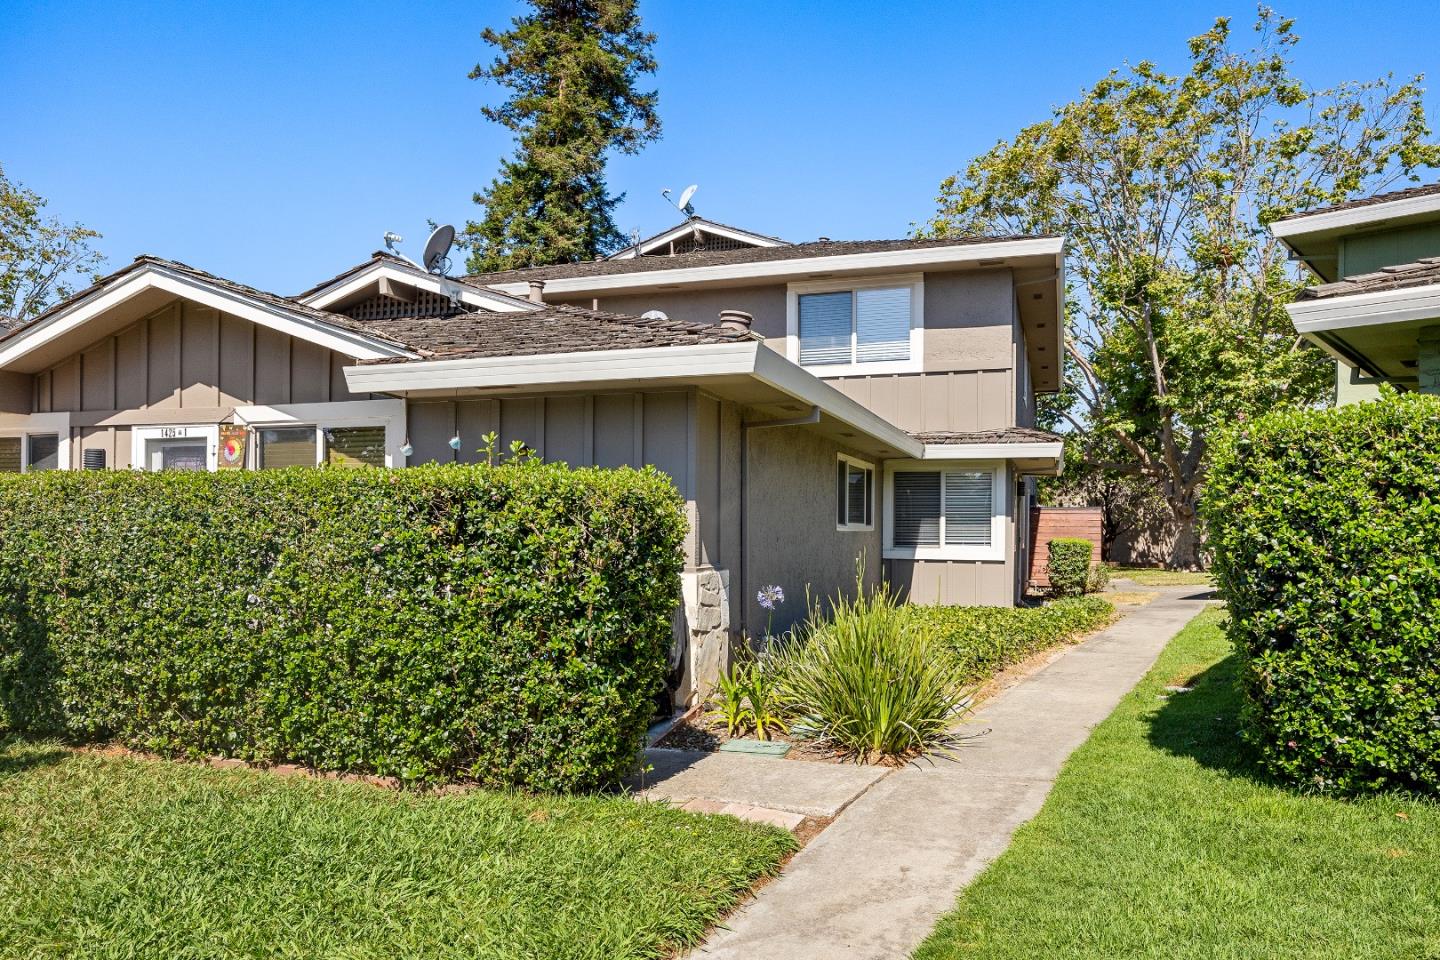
(274, 143)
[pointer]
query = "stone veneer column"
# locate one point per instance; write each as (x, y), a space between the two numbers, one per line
(706, 595)
(1429, 360)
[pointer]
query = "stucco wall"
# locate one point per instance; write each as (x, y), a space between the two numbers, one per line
(792, 540)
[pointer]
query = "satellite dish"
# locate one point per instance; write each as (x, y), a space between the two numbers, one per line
(437, 249)
(685, 196)
(654, 315)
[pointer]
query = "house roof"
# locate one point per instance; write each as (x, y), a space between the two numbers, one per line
(1390, 196)
(1421, 273)
(713, 227)
(149, 260)
(379, 256)
(1007, 435)
(552, 328)
(792, 251)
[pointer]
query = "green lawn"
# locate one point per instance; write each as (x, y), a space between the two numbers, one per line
(1156, 577)
(116, 857)
(1160, 841)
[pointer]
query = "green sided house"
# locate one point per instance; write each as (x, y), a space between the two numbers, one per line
(815, 404)
(1376, 309)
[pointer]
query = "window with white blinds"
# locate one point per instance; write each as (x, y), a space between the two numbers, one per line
(867, 325)
(937, 509)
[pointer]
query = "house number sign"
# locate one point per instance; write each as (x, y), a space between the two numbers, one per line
(173, 433)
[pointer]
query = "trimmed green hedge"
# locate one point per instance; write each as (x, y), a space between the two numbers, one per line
(1326, 531)
(507, 624)
(1069, 565)
(987, 639)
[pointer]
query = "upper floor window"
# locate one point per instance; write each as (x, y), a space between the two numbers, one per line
(871, 326)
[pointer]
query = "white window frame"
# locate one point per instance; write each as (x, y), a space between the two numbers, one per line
(999, 515)
(825, 371)
(874, 490)
(42, 424)
(209, 432)
(389, 414)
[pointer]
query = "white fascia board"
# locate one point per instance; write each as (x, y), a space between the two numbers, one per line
(688, 363)
(994, 451)
(1356, 216)
(555, 369)
(799, 266)
(475, 296)
(155, 277)
(1365, 309)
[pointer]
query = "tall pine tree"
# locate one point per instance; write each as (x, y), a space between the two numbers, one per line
(572, 68)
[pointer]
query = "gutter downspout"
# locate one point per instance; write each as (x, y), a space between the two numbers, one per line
(812, 417)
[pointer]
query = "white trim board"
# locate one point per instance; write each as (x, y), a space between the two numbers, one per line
(1366, 309)
(994, 451)
(491, 300)
(799, 266)
(1370, 213)
(689, 364)
(156, 277)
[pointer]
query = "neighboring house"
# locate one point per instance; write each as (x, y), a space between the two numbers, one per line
(1377, 308)
(816, 404)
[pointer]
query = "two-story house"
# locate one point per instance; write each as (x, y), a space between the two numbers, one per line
(1377, 307)
(817, 405)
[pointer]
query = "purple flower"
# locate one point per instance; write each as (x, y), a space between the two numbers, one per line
(769, 596)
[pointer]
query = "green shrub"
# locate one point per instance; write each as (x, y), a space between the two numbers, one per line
(506, 624)
(1069, 565)
(869, 679)
(1325, 527)
(1098, 579)
(983, 640)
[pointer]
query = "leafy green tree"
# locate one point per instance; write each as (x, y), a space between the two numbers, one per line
(41, 258)
(1164, 186)
(572, 68)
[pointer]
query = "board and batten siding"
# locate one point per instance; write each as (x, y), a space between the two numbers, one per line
(184, 363)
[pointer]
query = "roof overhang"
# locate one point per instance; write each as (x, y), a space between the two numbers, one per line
(748, 372)
(1040, 458)
(384, 276)
(1377, 332)
(1314, 238)
(798, 268)
(112, 306)
(680, 230)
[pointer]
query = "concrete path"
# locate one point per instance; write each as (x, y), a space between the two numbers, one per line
(874, 883)
(794, 786)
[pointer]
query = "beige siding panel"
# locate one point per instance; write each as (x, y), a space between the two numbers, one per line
(729, 501)
(17, 392)
(565, 430)
(199, 356)
(131, 368)
(309, 372)
(122, 448)
(42, 392)
(997, 409)
(523, 419)
(339, 390)
(666, 437)
(97, 376)
(707, 484)
(100, 438)
(935, 401)
(164, 352)
(614, 426)
(964, 405)
(237, 361)
(272, 366)
(66, 385)
(431, 426)
(474, 419)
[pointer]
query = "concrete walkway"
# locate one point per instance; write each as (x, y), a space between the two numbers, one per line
(874, 883)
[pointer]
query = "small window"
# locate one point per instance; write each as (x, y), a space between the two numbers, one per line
(287, 447)
(44, 452)
(355, 446)
(943, 508)
(9, 454)
(854, 494)
(868, 325)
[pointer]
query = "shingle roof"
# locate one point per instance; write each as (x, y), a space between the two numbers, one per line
(145, 259)
(1421, 273)
(1388, 197)
(702, 221)
(794, 251)
(378, 256)
(1007, 435)
(553, 328)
